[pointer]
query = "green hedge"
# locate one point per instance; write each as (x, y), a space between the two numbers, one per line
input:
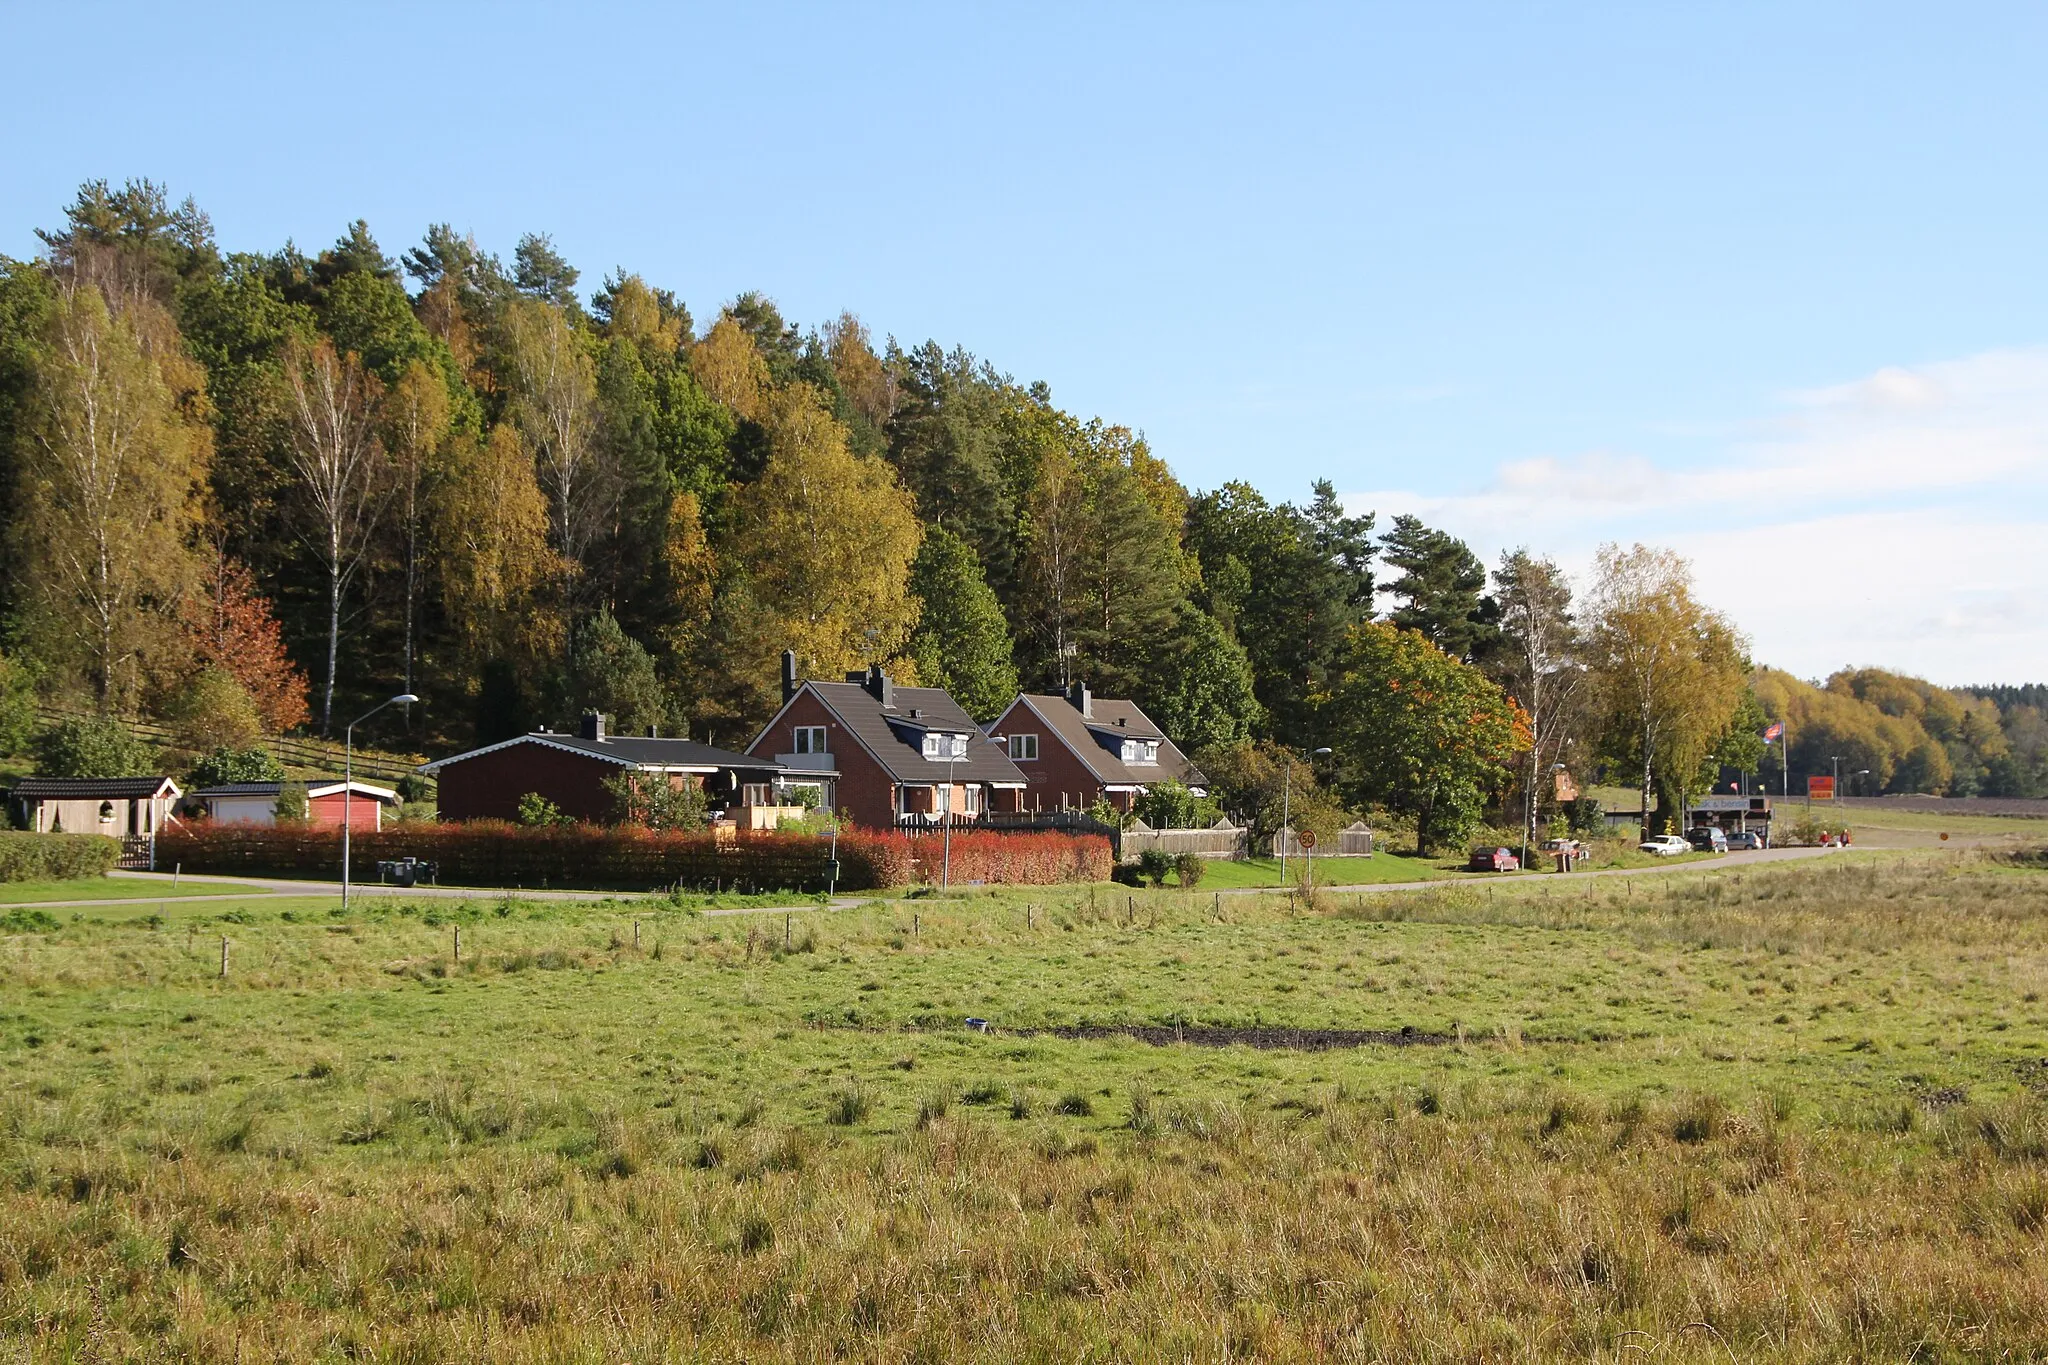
(26, 857)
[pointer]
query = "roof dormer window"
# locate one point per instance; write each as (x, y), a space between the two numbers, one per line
(1141, 752)
(940, 745)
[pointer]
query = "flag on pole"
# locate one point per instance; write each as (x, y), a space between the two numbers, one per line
(1776, 731)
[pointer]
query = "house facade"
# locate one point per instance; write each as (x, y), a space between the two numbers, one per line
(886, 756)
(570, 771)
(328, 802)
(121, 806)
(1076, 749)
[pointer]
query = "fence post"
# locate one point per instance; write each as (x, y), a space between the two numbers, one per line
(223, 958)
(458, 945)
(636, 935)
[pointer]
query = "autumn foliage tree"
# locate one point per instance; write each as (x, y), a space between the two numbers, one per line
(1421, 732)
(230, 626)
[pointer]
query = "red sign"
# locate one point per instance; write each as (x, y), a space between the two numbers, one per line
(1307, 838)
(1820, 788)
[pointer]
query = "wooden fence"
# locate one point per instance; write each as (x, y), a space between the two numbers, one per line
(323, 757)
(1353, 841)
(1220, 840)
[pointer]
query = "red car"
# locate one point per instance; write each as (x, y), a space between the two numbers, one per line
(1493, 860)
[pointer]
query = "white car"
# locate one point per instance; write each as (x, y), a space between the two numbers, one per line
(1665, 846)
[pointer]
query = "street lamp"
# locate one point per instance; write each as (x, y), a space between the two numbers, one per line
(1286, 801)
(1862, 772)
(953, 753)
(348, 776)
(1836, 760)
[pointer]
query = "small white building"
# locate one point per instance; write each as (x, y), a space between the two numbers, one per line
(255, 803)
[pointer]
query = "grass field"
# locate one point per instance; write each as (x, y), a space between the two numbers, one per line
(1794, 1112)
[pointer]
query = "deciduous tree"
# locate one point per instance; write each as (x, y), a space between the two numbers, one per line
(343, 478)
(962, 642)
(107, 483)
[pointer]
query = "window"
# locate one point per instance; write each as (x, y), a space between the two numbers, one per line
(1141, 751)
(810, 739)
(1024, 748)
(757, 794)
(945, 746)
(970, 800)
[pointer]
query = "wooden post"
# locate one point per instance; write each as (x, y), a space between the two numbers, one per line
(1027, 917)
(785, 932)
(458, 945)
(177, 871)
(636, 935)
(1130, 911)
(223, 958)
(915, 927)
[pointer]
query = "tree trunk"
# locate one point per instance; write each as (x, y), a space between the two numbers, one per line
(1646, 780)
(333, 647)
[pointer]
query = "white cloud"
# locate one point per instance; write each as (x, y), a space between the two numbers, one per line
(1900, 519)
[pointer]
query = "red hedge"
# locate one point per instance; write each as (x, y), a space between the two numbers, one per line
(493, 853)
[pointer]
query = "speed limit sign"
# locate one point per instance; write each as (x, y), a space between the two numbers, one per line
(1307, 838)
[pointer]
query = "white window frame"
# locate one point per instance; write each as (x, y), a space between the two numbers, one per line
(810, 739)
(1024, 747)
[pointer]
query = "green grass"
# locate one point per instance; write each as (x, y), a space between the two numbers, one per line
(110, 888)
(1224, 874)
(1795, 1103)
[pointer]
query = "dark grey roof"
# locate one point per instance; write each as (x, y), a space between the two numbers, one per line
(630, 751)
(323, 785)
(896, 738)
(87, 788)
(1097, 740)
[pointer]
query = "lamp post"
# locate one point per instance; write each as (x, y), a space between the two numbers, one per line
(1286, 803)
(348, 778)
(1862, 772)
(953, 753)
(1836, 760)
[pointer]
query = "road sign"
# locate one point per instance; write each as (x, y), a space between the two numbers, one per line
(1307, 838)
(1820, 788)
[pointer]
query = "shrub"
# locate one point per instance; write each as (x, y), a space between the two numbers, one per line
(213, 711)
(1190, 869)
(292, 803)
(28, 857)
(1034, 858)
(537, 812)
(225, 765)
(1154, 864)
(91, 746)
(1173, 805)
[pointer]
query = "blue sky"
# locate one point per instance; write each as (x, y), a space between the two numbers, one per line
(1762, 282)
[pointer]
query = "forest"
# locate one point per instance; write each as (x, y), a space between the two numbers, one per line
(253, 493)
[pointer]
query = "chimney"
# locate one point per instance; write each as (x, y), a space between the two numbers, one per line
(880, 688)
(788, 675)
(1082, 702)
(593, 725)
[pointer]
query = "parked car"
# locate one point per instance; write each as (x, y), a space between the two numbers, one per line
(1708, 839)
(1493, 860)
(1746, 839)
(1665, 845)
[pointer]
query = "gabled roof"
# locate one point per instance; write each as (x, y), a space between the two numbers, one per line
(96, 788)
(1097, 739)
(895, 737)
(627, 751)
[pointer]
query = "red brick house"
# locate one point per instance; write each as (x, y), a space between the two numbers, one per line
(1077, 749)
(570, 770)
(886, 755)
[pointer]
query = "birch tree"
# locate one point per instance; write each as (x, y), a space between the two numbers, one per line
(108, 488)
(555, 407)
(339, 465)
(1541, 665)
(1671, 671)
(415, 426)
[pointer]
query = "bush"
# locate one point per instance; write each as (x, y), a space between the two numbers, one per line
(92, 746)
(1173, 805)
(292, 803)
(1033, 858)
(28, 857)
(225, 765)
(212, 711)
(1153, 865)
(1190, 870)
